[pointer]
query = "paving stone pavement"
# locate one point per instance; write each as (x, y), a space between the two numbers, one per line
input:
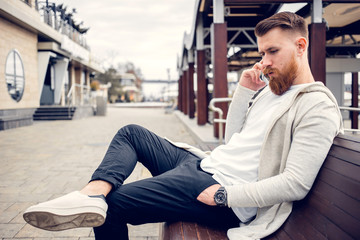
(50, 159)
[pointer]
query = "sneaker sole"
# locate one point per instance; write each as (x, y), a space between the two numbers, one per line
(55, 221)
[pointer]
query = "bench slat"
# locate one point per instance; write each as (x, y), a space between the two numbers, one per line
(172, 231)
(203, 231)
(341, 182)
(338, 217)
(349, 142)
(303, 228)
(344, 168)
(324, 225)
(189, 230)
(337, 198)
(345, 154)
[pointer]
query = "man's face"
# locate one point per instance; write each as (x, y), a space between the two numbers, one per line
(278, 49)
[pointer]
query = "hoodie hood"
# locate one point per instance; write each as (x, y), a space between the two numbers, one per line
(320, 87)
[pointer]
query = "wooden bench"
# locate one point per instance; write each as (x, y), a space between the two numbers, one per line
(331, 210)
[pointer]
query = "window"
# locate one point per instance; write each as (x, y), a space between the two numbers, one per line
(14, 75)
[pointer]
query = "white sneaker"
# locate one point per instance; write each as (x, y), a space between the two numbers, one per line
(73, 210)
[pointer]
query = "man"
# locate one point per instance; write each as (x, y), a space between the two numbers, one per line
(273, 152)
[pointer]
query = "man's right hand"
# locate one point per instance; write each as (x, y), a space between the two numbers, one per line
(250, 78)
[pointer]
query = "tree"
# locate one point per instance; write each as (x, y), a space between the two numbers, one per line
(111, 75)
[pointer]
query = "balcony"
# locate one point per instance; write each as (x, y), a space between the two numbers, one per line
(59, 18)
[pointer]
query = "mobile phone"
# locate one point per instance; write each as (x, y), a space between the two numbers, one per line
(264, 79)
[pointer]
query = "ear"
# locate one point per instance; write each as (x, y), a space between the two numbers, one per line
(301, 45)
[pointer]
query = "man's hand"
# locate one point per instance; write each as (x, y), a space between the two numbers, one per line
(250, 78)
(207, 196)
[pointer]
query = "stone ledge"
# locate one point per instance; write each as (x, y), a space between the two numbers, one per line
(14, 118)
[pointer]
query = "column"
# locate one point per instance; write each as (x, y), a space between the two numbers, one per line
(190, 78)
(87, 84)
(202, 105)
(317, 39)
(180, 94)
(355, 100)
(219, 58)
(185, 92)
(72, 84)
(78, 86)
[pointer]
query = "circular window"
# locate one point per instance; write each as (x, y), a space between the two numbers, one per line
(14, 75)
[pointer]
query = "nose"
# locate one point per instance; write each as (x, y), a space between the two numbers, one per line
(266, 61)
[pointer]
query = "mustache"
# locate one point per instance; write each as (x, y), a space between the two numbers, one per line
(266, 71)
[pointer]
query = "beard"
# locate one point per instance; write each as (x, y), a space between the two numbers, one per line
(280, 82)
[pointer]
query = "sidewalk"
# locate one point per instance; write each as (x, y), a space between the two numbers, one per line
(49, 159)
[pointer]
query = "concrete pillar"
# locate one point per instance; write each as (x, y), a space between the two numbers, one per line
(60, 67)
(72, 84)
(62, 103)
(87, 84)
(78, 86)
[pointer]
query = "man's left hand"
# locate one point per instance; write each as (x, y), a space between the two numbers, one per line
(207, 196)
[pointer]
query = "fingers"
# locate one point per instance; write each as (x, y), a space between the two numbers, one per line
(253, 74)
(259, 65)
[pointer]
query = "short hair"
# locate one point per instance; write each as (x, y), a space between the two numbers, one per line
(286, 21)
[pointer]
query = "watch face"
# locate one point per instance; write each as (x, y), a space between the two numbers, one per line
(220, 198)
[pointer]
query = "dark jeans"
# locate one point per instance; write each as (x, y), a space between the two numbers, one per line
(170, 195)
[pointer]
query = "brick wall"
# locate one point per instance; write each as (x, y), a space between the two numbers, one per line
(25, 42)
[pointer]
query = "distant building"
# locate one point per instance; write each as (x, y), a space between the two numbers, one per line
(130, 88)
(44, 61)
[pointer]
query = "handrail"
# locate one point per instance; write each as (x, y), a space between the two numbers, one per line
(219, 120)
(222, 121)
(350, 109)
(69, 99)
(70, 92)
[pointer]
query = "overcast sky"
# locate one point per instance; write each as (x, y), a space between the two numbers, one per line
(148, 33)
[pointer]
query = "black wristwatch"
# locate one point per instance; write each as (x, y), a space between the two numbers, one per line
(220, 197)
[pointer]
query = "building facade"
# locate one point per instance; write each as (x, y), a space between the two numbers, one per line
(44, 61)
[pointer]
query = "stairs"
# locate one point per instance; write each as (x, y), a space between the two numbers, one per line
(51, 113)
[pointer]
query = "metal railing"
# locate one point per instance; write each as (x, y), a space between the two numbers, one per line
(219, 120)
(71, 100)
(61, 22)
(222, 121)
(350, 109)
